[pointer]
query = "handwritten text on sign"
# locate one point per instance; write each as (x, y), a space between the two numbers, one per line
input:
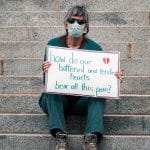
(82, 72)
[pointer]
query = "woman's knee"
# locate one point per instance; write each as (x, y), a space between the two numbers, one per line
(46, 100)
(97, 104)
(97, 101)
(43, 102)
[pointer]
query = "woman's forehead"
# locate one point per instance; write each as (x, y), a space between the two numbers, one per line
(77, 17)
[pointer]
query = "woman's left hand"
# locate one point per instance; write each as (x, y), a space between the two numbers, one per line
(119, 75)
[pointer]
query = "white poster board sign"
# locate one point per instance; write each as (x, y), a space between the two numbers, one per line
(82, 72)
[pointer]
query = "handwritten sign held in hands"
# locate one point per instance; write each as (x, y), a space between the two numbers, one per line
(82, 72)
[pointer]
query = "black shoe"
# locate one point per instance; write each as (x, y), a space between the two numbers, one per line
(90, 142)
(61, 141)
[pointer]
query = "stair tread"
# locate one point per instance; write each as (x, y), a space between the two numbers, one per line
(21, 67)
(38, 123)
(28, 103)
(103, 5)
(33, 84)
(119, 34)
(35, 49)
(46, 142)
(51, 18)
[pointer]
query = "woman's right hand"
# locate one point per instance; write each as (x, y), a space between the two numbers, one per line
(46, 65)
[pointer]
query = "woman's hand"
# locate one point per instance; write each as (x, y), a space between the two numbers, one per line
(119, 75)
(45, 66)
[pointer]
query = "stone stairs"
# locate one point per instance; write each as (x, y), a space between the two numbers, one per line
(118, 25)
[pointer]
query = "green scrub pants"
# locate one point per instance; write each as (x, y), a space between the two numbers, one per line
(56, 106)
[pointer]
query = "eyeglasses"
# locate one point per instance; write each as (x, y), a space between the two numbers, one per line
(72, 20)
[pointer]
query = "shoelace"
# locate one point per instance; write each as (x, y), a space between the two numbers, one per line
(92, 146)
(62, 144)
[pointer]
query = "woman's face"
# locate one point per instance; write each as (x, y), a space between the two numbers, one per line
(76, 26)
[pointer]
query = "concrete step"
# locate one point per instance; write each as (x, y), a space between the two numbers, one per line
(139, 50)
(46, 142)
(33, 85)
(29, 104)
(22, 84)
(136, 67)
(22, 49)
(38, 123)
(105, 34)
(21, 67)
(53, 18)
(26, 26)
(103, 5)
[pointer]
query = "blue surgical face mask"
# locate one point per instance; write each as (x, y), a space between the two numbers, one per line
(75, 29)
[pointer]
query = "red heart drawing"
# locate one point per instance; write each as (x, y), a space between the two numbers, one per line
(106, 60)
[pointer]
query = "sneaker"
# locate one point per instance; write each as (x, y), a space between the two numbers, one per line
(61, 141)
(90, 142)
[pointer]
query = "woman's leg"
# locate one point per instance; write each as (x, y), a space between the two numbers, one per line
(54, 105)
(94, 109)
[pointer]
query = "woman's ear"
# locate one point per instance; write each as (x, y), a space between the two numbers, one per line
(86, 26)
(65, 26)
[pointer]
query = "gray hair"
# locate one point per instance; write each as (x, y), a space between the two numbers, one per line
(77, 11)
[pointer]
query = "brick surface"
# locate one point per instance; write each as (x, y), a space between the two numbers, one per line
(22, 49)
(19, 103)
(137, 85)
(15, 34)
(20, 85)
(114, 125)
(134, 50)
(46, 142)
(23, 67)
(131, 67)
(102, 5)
(53, 18)
(129, 105)
(105, 34)
(139, 50)
(135, 67)
(28, 85)
(120, 34)
(29, 104)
